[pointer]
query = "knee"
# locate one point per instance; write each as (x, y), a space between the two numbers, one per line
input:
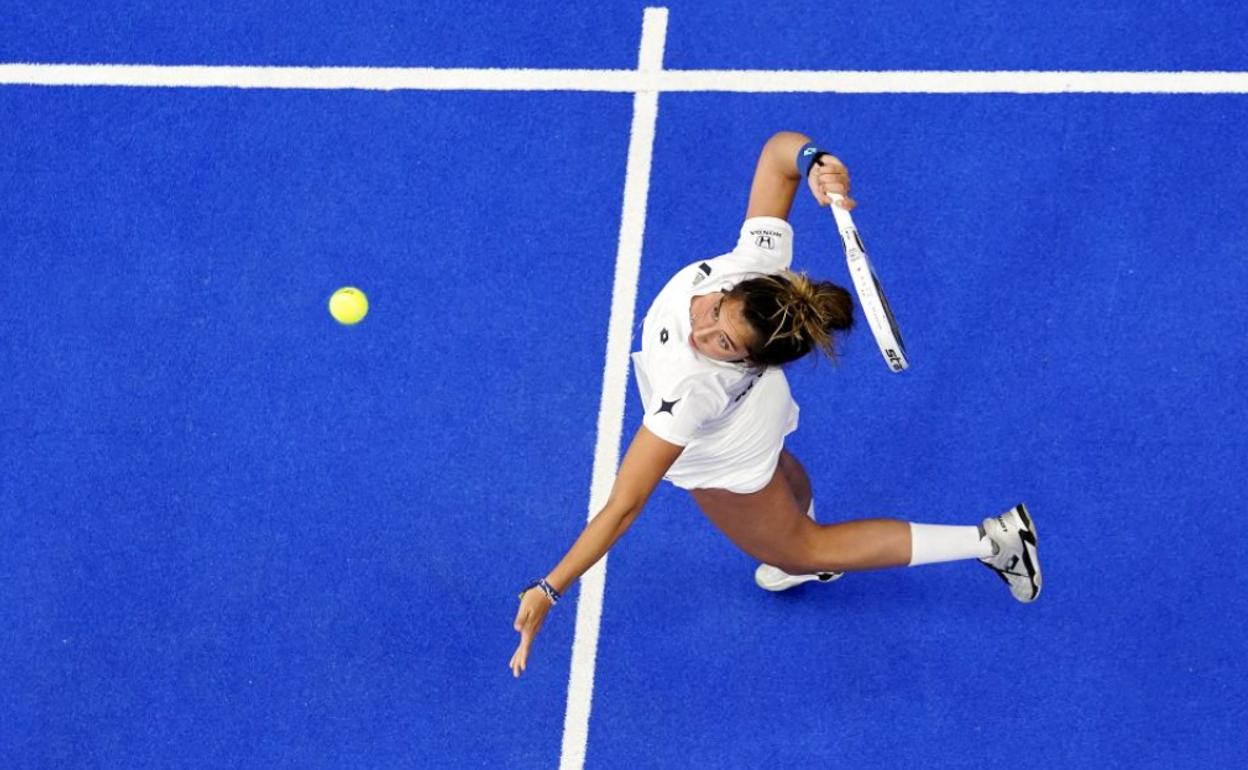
(805, 555)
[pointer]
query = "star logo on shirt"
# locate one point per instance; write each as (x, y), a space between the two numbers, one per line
(667, 406)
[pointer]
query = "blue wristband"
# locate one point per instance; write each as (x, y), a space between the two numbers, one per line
(807, 157)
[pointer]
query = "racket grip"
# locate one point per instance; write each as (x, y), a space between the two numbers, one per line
(843, 220)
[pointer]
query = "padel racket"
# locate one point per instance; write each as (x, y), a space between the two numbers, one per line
(874, 304)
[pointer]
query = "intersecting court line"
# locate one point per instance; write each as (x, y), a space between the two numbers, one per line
(614, 384)
(645, 83)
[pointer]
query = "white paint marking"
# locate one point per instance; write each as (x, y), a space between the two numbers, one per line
(624, 81)
(645, 83)
(948, 82)
(614, 384)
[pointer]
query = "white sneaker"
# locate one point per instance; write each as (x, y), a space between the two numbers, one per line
(1015, 561)
(771, 578)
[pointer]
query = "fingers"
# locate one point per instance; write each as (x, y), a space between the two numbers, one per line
(830, 165)
(528, 621)
(521, 655)
(525, 626)
(830, 177)
(832, 183)
(825, 196)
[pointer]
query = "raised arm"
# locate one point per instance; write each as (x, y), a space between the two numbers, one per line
(647, 459)
(776, 177)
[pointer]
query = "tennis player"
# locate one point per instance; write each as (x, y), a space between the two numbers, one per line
(718, 408)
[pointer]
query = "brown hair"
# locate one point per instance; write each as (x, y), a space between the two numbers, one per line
(791, 315)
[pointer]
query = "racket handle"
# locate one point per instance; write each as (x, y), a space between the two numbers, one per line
(843, 220)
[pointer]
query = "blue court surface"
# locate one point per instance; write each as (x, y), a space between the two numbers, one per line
(237, 534)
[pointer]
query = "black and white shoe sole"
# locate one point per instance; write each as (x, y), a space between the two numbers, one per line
(792, 581)
(1030, 558)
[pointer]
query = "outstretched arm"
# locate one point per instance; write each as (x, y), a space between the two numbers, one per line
(776, 177)
(643, 466)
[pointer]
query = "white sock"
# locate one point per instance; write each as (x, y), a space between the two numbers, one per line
(932, 543)
(811, 510)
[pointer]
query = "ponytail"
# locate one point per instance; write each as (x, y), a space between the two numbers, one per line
(791, 315)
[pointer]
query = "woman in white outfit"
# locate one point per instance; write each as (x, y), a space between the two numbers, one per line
(718, 407)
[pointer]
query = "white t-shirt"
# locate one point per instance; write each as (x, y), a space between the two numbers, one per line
(686, 394)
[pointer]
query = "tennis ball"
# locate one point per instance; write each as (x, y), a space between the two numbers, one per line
(348, 306)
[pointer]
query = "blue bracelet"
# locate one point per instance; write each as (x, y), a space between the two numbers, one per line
(551, 594)
(807, 157)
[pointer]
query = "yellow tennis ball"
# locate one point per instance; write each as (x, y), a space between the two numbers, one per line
(348, 306)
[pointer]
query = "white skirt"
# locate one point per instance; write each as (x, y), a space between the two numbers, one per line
(741, 455)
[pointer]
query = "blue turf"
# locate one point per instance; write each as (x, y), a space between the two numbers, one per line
(974, 35)
(361, 33)
(236, 529)
(236, 534)
(753, 34)
(1068, 328)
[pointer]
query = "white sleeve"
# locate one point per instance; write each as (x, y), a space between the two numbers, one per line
(766, 244)
(677, 416)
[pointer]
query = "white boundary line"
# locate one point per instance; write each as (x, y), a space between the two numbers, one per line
(645, 83)
(614, 384)
(624, 81)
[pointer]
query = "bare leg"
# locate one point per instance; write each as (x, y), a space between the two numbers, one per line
(770, 526)
(799, 481)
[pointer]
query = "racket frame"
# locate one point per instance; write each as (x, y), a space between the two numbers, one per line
(871, 298)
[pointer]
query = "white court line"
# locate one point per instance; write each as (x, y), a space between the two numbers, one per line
(624, 81)
(645, 83)
(614, 384)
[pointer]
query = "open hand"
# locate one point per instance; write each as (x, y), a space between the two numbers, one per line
(529, 618)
